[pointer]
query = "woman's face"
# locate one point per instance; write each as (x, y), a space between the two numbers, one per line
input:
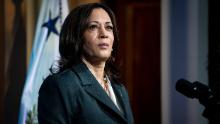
(98, 37)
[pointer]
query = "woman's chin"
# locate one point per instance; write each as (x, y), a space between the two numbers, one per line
(102, 57)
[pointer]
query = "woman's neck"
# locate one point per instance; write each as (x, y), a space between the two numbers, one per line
(96, 68)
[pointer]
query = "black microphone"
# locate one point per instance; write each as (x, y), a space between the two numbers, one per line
(205, 96)
(195, 90)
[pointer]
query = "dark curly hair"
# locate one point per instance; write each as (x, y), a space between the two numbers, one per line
(71, 39)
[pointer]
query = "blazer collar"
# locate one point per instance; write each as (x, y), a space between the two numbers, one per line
(91, 85)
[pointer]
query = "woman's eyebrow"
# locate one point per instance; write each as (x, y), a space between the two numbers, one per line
(108, 23)
(93, 22)
(99, 22)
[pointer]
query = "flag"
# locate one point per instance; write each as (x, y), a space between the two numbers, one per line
(44, 54)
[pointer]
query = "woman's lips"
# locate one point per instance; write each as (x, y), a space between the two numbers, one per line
(103, 45)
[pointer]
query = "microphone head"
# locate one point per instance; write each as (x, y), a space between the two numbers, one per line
(186, 88)
(193, 90)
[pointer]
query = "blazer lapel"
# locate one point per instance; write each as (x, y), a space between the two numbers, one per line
(121, 98)
(92, 86)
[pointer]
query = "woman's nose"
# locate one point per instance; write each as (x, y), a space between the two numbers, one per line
(103, 32)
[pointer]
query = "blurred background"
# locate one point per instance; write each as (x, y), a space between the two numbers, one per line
(161, 41)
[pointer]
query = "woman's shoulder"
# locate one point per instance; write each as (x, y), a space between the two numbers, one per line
(64, 79)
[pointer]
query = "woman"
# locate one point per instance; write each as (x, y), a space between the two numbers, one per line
(85, 89)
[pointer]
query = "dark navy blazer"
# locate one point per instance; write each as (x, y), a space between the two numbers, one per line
(75, 97)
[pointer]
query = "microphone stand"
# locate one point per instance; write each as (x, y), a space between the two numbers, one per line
(212, 109)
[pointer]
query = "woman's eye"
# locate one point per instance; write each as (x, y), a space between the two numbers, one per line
(110, 28)
(92, 27)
